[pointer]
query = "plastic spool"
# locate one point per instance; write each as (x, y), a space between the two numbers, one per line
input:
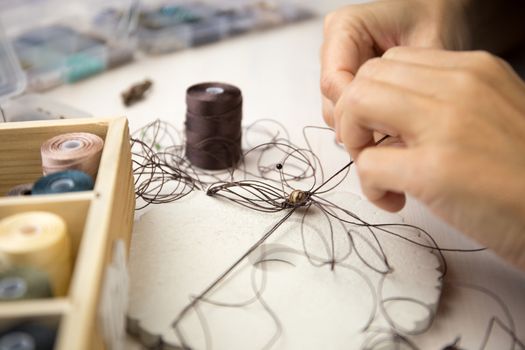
(28, 336)
(22, 283)
(215, 90)
(63, 182)
(12, 288)
(20, 190)
(38, 240)
(74, 151)
(70, 145)
(17, 341)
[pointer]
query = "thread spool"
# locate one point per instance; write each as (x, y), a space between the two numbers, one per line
(28, 336)
(213, 125)
(20, 283)
(38, 240)
(63, 182)
(74, 151)
(20, 190)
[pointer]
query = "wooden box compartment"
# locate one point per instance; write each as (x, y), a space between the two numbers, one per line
(95, 220)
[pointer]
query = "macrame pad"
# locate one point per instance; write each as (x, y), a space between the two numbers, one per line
(285, 298)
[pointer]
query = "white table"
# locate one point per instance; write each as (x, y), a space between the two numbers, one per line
(278, 72)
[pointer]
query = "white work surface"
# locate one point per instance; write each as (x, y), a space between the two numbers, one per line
(278, 73)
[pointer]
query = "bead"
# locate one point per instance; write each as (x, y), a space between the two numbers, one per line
(297, 197)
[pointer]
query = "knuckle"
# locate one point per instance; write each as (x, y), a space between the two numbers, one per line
(356, 92)
(467, 86)
(370, 67)
(393, 53)
(466, 79)
(485, 62)
(484, 58)
(352, 96)
(328, 86)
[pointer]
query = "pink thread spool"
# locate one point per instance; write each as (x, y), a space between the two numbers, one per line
(73, 151)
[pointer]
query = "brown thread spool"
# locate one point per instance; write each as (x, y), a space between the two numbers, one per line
(213, 125)
(73, 151)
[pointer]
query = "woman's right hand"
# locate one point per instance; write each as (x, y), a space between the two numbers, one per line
(356, 33)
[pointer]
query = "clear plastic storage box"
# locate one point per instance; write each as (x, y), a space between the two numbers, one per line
(14, 107)
(167, 26)
(65, 41)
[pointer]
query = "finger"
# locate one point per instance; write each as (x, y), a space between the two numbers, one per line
(445, 58)
(333, 83)
(345, 48)
(386, 200)
(426, 56)
(465, 64)
(416, 77)
(385, 175)
(369, 105)
(328, 112)
(462, 66)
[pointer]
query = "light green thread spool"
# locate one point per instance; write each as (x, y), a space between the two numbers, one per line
(21, 283)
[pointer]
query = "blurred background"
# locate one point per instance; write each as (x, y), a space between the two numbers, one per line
(68, 59)
(60, 42)
(47, 45)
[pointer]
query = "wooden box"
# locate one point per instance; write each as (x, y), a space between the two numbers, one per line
(95, 220)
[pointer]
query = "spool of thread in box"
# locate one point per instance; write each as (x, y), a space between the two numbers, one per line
(38, 240)
(73, 151)
(28, 336)
(63, 182)
(213, 125)
(20, 190)
(20, 283)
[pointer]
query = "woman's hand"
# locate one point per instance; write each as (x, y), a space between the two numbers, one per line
(357, 33)
(461, 117)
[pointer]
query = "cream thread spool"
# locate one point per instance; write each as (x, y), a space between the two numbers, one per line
(38, 240)
(73, 151)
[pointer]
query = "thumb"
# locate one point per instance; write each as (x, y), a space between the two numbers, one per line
(385, 175)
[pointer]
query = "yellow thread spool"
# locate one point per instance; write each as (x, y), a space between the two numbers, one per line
(40, 240)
